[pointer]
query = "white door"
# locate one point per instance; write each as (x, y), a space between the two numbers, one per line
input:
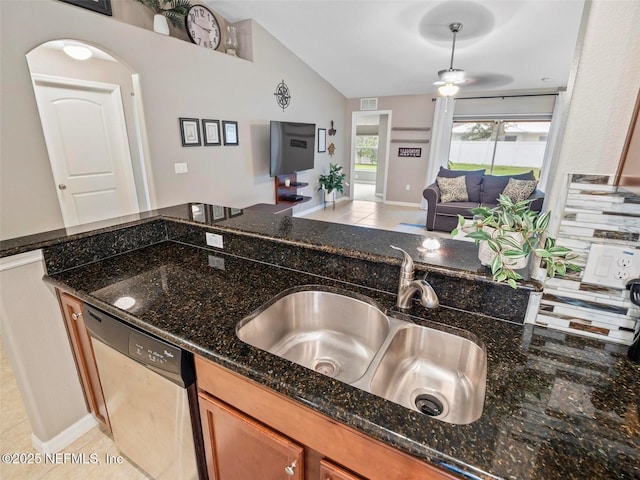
(85, 133)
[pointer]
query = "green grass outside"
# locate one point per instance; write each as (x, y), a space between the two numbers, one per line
(497, 170)
(363, 167)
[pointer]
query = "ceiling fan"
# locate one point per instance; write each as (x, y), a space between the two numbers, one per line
(452, 77)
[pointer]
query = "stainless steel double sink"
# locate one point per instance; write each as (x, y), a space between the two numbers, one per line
(351, 339)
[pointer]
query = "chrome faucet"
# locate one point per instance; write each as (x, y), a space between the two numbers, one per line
(407, 286)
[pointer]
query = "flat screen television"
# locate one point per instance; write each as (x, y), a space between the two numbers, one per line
(292, 147)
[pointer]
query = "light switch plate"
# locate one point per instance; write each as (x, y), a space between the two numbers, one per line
(611, 266)
(180, 168)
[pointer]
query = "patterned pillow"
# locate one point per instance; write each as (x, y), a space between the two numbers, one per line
(453, 189)
(518, 190)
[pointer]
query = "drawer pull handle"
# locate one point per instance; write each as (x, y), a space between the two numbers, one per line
(76, 316)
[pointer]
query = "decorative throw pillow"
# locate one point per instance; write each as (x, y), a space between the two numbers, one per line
(453, 189)
(474, 179)
(494, 185)
(518, 190)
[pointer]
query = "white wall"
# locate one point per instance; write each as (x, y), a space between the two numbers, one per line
(407, 111)
(607, 79)
(34, 336)
(177, 79)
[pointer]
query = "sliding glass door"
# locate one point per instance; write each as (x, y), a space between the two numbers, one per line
(502, 147)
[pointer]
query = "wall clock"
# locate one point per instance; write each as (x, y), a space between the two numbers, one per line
(202, 27)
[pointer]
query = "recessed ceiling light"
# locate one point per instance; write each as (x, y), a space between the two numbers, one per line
(77, 52)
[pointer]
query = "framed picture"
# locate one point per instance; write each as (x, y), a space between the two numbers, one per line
(322, 140)
(211, 132)
(230, 132)
(218, 212)
(100, 6)
(409, 152)
(190, 132)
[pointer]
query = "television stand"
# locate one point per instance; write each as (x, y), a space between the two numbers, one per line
(289, 194)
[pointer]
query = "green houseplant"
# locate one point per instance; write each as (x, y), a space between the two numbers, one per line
(173, 10)
(508, 233)
(334, 180)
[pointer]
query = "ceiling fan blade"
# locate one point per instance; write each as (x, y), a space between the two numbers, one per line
(489, 80)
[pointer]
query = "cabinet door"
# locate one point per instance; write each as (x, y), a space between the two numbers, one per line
(239, 448)
(329, 471)
(84, 357)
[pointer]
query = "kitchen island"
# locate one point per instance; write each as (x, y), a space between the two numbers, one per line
(556, 406)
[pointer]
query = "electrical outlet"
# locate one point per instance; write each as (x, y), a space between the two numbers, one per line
(621, 275)
(214, 240)
(611, 266)
(624, 262)
(408, 187)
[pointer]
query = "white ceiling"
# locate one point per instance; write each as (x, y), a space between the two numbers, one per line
(377, 48)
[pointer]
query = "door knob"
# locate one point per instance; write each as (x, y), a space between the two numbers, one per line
(62, 186)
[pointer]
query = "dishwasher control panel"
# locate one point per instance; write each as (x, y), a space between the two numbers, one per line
(154, 352)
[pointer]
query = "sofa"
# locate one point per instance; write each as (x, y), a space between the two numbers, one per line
(456, 192)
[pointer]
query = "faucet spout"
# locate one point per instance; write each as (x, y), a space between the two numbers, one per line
(428, 297)
(407, 286)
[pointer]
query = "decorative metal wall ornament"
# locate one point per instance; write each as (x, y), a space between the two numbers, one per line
(283, 96)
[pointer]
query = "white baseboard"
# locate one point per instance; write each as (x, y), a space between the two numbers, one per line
(402, 204)
(66, 437)
(317, 207)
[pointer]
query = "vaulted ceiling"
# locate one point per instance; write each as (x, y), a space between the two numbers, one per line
(378, 48)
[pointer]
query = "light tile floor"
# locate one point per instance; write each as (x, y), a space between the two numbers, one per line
(367, 210)
(375, 215)
(15, 437)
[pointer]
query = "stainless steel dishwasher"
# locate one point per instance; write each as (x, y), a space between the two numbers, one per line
(149, 388)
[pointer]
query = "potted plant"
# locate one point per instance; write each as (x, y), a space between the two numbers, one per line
(508, 233)
(333, 182)
(172, 10)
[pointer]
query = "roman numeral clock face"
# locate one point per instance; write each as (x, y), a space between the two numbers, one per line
(202, 27)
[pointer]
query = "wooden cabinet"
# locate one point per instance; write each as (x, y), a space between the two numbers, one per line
(82, 349)
(329, 471)
(239, 448)
(278, 424)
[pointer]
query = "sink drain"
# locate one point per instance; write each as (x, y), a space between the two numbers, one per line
(429, 405)
(326, 367)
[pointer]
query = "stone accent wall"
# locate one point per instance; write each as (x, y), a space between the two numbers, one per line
(595, 212)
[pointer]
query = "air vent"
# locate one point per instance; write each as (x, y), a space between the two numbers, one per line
(368, 104)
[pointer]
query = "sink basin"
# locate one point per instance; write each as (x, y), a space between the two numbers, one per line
(333, 334)
(439, 372)
(434, 372)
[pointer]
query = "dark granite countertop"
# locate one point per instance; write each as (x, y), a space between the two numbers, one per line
(454, 257)
(557, 406)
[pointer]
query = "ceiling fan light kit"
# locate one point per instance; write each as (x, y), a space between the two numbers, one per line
(452, 77)
(448, 89)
